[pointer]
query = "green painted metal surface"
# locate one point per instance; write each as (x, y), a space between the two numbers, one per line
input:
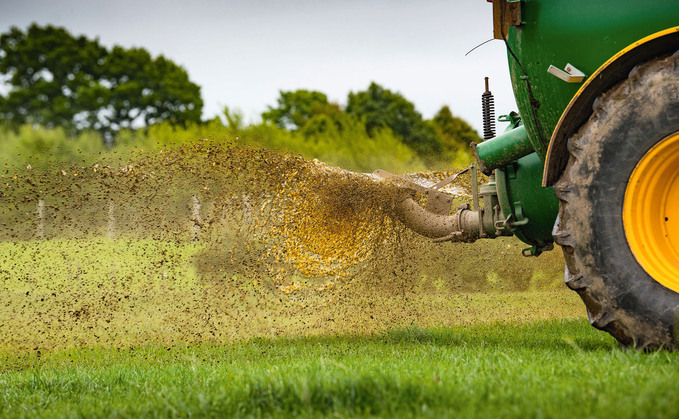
(532, 208)
(503, 149)
(584, 33)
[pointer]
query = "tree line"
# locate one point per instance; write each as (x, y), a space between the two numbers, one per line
(59, 81)
(56, 79)
(377, 108)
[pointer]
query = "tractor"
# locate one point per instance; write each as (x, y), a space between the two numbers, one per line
(590, 162)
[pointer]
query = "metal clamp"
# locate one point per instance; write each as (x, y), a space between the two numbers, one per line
(571, 75)
(502, 224)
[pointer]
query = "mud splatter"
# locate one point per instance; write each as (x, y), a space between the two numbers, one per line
(213, 242)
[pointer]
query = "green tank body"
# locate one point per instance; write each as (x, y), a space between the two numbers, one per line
(583, 33)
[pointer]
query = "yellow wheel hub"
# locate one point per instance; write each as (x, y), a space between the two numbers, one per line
(651, 212)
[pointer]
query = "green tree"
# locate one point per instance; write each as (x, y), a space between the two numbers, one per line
(295, 108)
(56, 79)
(381, 108)
(455, 134)
(44, 67)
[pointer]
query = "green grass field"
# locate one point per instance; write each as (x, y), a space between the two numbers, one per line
(555, 368)
(129, 328)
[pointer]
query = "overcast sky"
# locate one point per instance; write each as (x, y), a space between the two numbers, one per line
(242, 52)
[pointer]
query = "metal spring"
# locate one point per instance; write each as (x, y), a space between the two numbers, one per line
(488, 110)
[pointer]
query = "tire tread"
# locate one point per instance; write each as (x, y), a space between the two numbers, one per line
(572, 191)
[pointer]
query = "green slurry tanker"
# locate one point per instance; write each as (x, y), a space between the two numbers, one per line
(591, 162)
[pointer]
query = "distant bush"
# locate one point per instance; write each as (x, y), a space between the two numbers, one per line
(351, 147)
(40, 148)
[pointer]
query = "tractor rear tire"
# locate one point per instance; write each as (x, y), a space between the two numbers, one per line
(618, 222)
